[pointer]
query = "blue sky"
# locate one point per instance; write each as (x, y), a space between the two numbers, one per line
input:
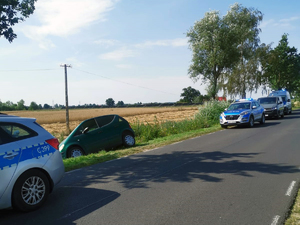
(128, 50)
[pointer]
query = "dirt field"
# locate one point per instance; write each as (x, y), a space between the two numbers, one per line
(54, 120)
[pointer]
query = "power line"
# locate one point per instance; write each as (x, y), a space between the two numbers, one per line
(26, 70)
(124, 82)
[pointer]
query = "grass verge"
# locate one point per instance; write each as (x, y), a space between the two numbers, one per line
(103, 156)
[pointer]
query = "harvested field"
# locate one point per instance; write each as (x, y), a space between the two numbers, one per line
(54, 121)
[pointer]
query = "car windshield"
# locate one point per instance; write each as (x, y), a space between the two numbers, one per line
(238, 106)
(267, 100)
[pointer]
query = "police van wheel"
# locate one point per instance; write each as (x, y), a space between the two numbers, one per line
(251, 122)
(30, 191)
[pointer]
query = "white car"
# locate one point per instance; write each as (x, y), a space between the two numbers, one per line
(30, 163)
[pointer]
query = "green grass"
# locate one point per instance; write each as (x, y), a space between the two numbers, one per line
(103, 156)
(149, 136)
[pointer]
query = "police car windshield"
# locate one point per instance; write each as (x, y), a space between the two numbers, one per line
(239, 106)
(267, 100)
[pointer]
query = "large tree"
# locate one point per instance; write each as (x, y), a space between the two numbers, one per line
(211, 42)
(224, 50)
(245, 74)
(281, 67)
(13, 12)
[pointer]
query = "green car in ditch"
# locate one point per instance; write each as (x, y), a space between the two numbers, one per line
(96, 134)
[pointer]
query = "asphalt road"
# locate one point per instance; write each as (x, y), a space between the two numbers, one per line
(235, 176)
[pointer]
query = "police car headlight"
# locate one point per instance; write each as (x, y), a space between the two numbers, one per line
(244, 113)
(222, 114)
(61, 147)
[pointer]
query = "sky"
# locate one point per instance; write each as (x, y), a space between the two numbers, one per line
(129, 50)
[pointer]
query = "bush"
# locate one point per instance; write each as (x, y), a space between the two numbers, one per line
(207, 116)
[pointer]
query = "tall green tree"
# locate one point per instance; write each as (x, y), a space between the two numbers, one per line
(212, 42)
(281, 67)
(13, 12)
(245, 74)
(189, 94)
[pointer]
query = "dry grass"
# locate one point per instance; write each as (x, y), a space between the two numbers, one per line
(54, 121)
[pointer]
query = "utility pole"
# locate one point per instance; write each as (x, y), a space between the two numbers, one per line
(66, 89)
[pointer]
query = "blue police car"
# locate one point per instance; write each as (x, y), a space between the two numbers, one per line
(243, 111)
(30, 163)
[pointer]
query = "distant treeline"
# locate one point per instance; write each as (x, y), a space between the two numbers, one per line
(9, 106)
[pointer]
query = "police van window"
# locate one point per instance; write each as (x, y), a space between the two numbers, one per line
(13, 132)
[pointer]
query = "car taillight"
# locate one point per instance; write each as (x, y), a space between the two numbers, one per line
(53, 142)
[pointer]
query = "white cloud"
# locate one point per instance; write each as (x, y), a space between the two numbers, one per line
(66, 17)
(124, 66)
(179, 42)
(75, 62)
(289, 19)
(286, 23)
(267, 23)
(118, 54)
(106, 43)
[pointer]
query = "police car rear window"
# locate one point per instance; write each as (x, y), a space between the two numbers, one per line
(11, 132)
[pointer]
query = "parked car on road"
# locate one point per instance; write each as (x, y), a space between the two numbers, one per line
(30, 163)
(286, 98)
(95, 134)
(243, 111)
(273, 106)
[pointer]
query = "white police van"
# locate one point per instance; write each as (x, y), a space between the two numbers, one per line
(30, 163)
(285, 95)
(242, 112)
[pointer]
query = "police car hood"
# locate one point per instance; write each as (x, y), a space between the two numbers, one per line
(235, 112)
(268, 105)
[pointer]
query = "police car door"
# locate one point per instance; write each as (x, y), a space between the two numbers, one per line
(9, 157)
(256, 111)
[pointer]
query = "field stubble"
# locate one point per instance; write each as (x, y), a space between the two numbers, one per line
(54, 121)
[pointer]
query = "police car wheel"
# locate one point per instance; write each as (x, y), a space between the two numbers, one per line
(74, 152)
(251, 122)
(263, 119)
(30, 191)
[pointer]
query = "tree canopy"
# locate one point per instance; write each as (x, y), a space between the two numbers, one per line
(281, 67)
(189, 94)
(223, 49)
(110, 102)
(13, 12)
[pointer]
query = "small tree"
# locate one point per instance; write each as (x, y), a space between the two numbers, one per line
(189, 94)
(33, 106)
(46, 106)
(110, 102)
(20, 105)
(120, 103)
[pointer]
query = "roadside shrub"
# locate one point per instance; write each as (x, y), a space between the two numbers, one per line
(211, 112)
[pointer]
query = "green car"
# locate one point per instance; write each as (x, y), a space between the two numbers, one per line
(95, 134)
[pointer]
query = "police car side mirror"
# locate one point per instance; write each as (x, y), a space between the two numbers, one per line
(225, 109)
(254, 107)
